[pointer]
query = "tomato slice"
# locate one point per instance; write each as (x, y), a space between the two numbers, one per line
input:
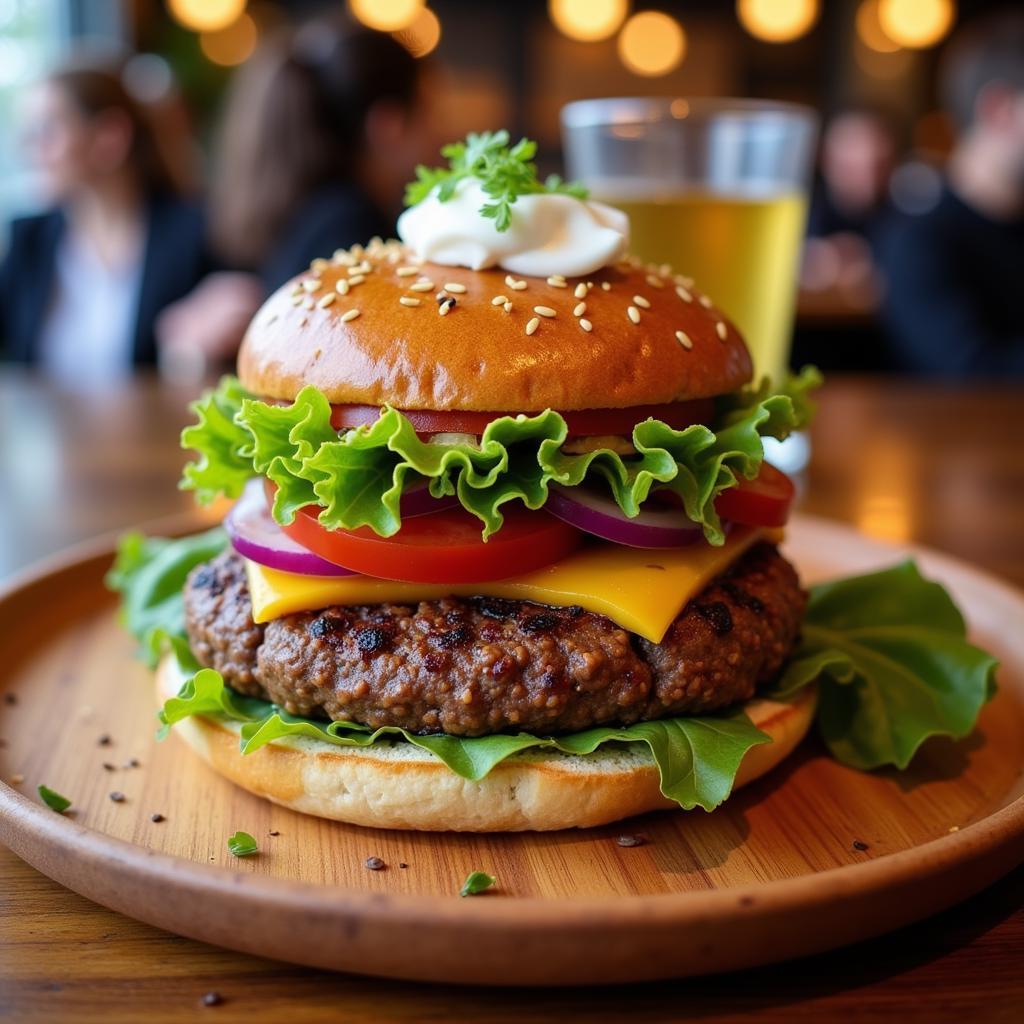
(764, 501)
(581, 422)
(443, 547)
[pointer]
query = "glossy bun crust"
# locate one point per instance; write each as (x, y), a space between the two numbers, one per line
(673, 346)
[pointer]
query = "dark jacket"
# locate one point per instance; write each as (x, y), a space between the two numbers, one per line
(333, 217)
(175, 259)
(954, 300)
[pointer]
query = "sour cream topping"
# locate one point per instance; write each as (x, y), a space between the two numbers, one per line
(550, 233)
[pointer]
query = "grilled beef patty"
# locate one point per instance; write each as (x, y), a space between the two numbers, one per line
(470, 667)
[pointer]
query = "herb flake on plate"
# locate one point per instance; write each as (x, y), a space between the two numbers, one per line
(241, 844)
(53, 799)
(477, 882)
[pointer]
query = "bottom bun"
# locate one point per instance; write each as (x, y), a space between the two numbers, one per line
(403, 787)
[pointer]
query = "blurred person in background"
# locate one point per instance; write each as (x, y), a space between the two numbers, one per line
(849, 204)
(322, 128)
(954, 304)
(82, 283)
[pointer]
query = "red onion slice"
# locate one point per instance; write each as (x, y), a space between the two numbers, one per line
(256, 536)
(600, 515)
(417, 501)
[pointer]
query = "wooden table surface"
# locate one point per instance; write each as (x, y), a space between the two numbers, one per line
(900, 460)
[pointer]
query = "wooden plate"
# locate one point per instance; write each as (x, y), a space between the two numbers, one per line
(809, 858)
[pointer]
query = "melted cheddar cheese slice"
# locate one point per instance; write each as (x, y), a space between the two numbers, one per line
(641, 589)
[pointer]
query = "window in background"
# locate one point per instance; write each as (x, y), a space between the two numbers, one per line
(32, 36)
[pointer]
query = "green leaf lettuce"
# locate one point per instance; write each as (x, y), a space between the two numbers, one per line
(149, 573)
(888, 650)
(357, 478)
(697, 757)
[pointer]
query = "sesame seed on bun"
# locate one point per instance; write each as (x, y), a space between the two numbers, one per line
(374, 326)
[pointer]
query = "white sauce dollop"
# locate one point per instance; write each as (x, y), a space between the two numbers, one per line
(550, 233)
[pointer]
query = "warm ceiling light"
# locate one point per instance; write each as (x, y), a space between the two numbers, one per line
(588, 20)
(232, 45)
(870, 30)
(205, 15)
(652, 43)
(423, 35)
(777, 21)
(386, 15)
(916, 23)
(890, 66)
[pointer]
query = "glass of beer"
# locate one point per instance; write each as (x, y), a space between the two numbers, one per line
(716, 188)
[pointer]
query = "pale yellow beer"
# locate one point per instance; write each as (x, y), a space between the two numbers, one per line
(742, 252)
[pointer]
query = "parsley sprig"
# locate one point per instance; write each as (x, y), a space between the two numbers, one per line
(505, 173)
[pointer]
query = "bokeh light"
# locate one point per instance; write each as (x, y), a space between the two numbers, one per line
(232, 45)
(387, 15)
(652, 43)
(588, 20)
(777, 21)
(206, 15)
(870, 30)
(148, 77)
(884, 67)
(423, 35)
(916, 23)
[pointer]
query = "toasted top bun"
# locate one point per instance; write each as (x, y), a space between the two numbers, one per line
(400, 786)
(652, 337)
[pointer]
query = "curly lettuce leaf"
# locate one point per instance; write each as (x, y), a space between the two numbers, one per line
(223, 446)
(697, 758)
(283, 440)
(357, 479)
(797, 388)
(894, 666)
(699, 462)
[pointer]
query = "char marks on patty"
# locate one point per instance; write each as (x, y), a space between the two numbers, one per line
(218, 617)
(477, 666)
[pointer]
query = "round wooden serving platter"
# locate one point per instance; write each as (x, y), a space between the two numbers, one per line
(809, 858)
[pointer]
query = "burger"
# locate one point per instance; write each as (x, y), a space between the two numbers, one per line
(504, 552)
